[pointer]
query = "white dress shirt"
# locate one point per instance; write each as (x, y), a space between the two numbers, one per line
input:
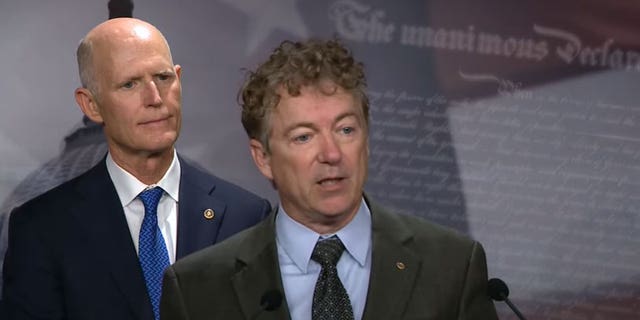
(129, 187)
(295, 244)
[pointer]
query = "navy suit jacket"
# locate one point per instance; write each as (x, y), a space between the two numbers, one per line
(71, 256)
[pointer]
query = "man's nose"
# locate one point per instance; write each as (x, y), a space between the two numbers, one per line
(330, 151)
(152, 95)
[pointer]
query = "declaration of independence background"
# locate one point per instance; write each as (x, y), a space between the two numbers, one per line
(516, 122)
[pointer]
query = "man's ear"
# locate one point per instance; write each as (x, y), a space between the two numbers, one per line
(87, 103)
(261, 158)
(178, 69)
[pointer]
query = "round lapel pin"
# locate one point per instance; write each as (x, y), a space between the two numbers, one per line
(209, 214)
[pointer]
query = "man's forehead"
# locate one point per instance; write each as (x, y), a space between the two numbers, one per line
(294, 109)
(124, 49)
(324, 87)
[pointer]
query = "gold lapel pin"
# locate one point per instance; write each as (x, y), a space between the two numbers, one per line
(209, 214)
(400, 265)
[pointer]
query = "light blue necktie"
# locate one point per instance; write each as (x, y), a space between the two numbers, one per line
(152, 250)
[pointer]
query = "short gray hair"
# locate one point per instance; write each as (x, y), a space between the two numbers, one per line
(84, 55)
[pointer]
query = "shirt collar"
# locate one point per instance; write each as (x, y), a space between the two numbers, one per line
(128, 187)
(298, 241)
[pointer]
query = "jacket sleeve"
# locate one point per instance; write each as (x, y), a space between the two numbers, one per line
(172, 303)
(475, 303)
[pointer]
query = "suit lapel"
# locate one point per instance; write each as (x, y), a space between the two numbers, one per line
(100, 214)
(259, 272)
(195, 231)
(394, 267)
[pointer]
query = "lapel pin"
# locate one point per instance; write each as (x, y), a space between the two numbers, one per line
(209, 214)
(400, 265)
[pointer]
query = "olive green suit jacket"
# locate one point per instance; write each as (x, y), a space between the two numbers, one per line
(419, 271)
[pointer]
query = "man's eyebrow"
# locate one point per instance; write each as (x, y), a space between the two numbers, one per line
(304, 124)
(346, 114)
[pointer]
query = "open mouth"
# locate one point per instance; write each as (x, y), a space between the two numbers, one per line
(330, 181)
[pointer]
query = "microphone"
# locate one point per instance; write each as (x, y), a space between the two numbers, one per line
(499, 291)
(270, 300)
(120, 8)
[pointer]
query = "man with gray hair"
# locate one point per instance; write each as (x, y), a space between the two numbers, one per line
(96, 247)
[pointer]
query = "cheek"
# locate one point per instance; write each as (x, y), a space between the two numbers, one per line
(365, 158)
(119, 108)
(294, 168)
(360, 162)
(173, 93)
(123, 119)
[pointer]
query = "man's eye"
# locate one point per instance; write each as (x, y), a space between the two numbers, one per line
(302, 138)
(128, 85)
(164, 77)
(348, 130)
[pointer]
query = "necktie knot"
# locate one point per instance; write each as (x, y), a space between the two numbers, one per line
(327, 252)
(150, 199)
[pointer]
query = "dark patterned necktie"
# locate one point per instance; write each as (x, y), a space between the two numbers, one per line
(330, 299)
(152, 250)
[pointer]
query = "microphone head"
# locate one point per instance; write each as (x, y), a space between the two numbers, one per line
(271, 300)
(497, 289)
(120, 8)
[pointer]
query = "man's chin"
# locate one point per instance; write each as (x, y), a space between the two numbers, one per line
(162, 144)
(338, 208)
(160, 150)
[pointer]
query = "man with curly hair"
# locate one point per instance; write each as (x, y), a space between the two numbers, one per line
(328, 251)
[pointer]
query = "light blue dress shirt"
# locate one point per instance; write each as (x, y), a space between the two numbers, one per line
(295, 244)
